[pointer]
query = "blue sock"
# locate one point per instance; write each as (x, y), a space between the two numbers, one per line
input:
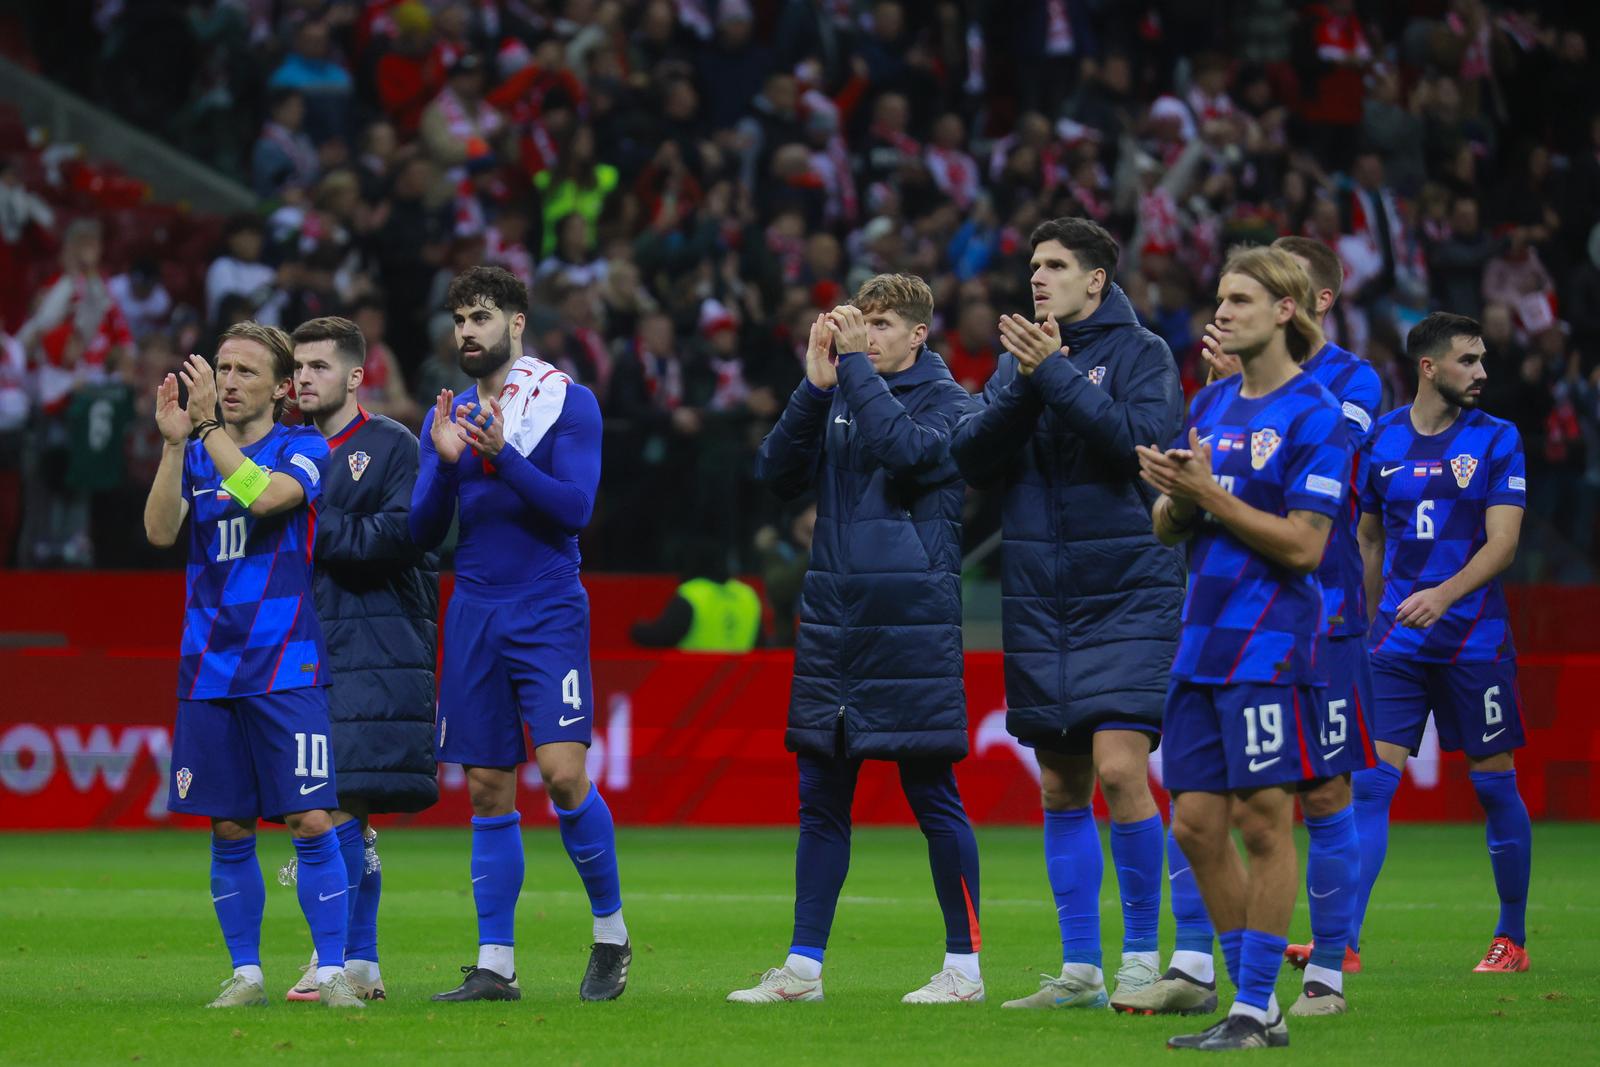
(1136, 852)
(497, 869)
(1374, 790)
(322, 886)
(362, 944)
(1510, 837)
(1333, 872)
(1232, 942)
(1260, 957)
(240, 896)
(1188, 910)
(354, 852)
(807, 951)
(1075, 866)
(591, 840)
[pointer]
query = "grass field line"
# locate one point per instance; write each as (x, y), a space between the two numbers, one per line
(652, 897)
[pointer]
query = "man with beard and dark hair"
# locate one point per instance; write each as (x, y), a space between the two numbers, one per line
(1441, 514)
(520, 451)
(377, 598)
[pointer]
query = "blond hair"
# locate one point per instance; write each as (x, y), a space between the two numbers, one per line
(278, 346)
(904, 294)
(1282, 276)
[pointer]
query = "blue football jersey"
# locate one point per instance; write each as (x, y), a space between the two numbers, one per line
(1432, 493)
(250, 621)
(1246, 619)
(1355, 385)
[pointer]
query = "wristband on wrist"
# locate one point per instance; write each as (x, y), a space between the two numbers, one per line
(1181, 524)
(247, 483)
(204, 430)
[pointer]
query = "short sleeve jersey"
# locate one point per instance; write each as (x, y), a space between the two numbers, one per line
(250, 621)
(1358, 391)
(1245, 618)
(1432, 493)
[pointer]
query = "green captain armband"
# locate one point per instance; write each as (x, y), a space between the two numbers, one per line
(246, 483)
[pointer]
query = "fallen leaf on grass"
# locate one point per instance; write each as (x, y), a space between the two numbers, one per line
(1557, 995)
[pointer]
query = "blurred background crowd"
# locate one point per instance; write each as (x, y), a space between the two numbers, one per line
(684, 183)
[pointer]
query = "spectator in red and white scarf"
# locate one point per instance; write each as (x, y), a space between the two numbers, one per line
(460, 123)
(77, 333)
(954, 171)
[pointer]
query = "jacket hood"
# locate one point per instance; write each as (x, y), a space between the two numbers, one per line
(1115, 310)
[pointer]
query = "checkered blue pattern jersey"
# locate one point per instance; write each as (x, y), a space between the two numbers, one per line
(1246, 619)
(1432, 493)
(249, 620)
(1355, 385)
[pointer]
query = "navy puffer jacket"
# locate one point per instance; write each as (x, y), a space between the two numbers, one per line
(378, 602)
(878, 655)
(1091, 600)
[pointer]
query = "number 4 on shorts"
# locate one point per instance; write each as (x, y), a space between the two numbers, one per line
(569, 690)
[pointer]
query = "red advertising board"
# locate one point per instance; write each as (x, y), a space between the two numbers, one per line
(681, 739)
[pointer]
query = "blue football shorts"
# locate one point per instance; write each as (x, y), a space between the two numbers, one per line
(1476, 706)
(514, 658)
(253, 757)
(1229, 738)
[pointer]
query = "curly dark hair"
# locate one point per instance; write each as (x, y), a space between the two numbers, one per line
(494, 287)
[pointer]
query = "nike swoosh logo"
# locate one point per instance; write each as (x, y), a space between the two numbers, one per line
(236, 892)
(1206, 440)
(203, 492)
(306, 789)
(1174, 875)
(1492, 852)
(1260, 766)
(568, 722)
(1390, 470)
(330, 896)
(1335, 752)
(1497, 733)
(1131, 870)
(1323, 896)
(841, 420)
(478, 879)
(593, 856)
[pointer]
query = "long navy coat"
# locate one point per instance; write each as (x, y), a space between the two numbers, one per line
(378, 602)
(878, 654)
(1091, 600)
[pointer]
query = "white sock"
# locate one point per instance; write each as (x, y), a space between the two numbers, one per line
(250, 972)
(610, 929)
(327, 974)
(966, 963)
(1250, 1011)
(501, 959)
(1149, 959)
(313, 957)
(1197, 965)
(1086, 972)
(1273, 1011)
(804, 967)
(1333, 979)
(364, 971)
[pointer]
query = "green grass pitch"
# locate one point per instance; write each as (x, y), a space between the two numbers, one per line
(108, 949)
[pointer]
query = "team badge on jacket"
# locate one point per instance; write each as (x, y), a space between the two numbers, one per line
(358, 465)
(185, 780)
(1263, 443)
(1097, 375)
(1463, 467)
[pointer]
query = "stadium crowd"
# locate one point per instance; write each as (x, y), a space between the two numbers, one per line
(683, 183)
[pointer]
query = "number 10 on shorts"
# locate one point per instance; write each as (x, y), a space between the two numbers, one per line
(317, 749)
